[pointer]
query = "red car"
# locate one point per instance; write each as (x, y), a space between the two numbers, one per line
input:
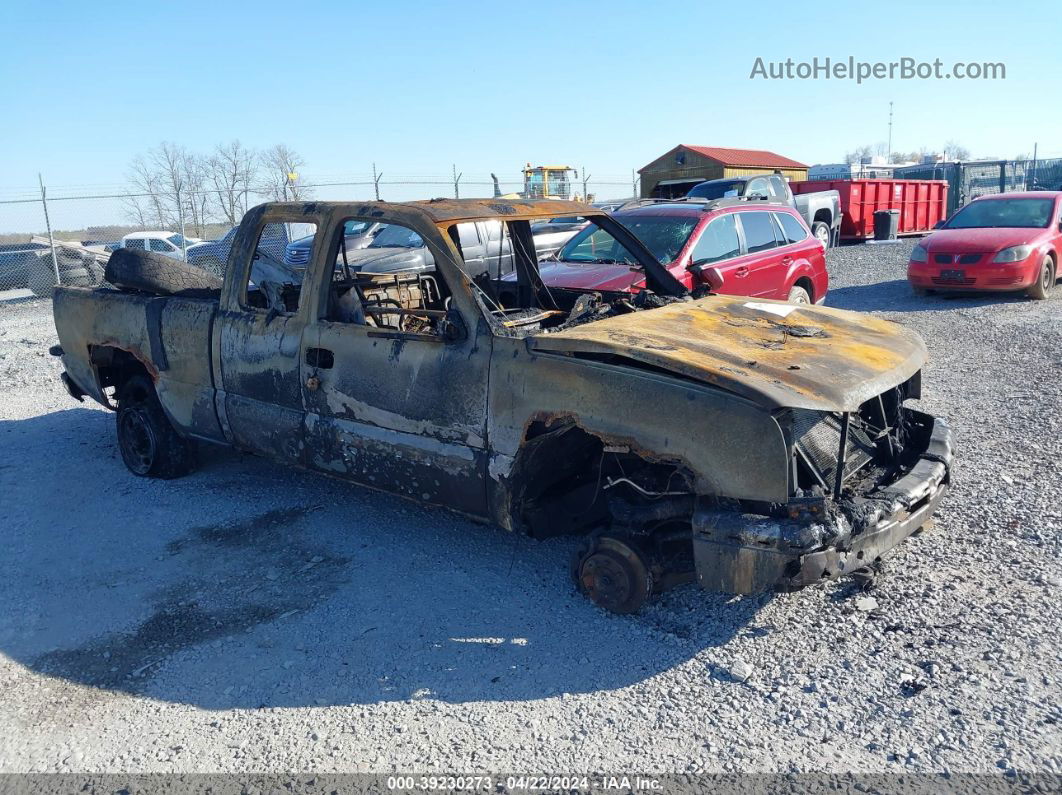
(734, 247)
(1007, 242)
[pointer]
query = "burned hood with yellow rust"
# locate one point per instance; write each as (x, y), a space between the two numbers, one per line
(779, 354)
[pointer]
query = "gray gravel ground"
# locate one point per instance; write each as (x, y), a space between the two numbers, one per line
(252, 618)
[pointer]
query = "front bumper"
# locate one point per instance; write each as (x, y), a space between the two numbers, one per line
(1004, 276)
(747, 554)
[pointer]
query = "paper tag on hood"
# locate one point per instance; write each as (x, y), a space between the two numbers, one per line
(782, 310)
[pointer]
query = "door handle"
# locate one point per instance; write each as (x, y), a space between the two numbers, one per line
(787, 260)
(742, 271)
(321, 358)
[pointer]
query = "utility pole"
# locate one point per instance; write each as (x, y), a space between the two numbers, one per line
(376, 181)
(586, 194)
(457, 179)
(1034, 185)
(889, 153)
(634, 184)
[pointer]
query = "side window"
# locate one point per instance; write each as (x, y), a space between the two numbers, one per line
(392, 284)
(718, 242)
(135, 243)
(468, 235)
(494, 230)
(274, 283)
(759, 231)
(757, 187)
(160, 245)
(793, 227)
(777, 187)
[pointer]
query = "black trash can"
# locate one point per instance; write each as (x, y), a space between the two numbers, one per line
(886, 224)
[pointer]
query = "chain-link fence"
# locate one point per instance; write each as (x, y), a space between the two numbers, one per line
(65, 236)
(967, 181)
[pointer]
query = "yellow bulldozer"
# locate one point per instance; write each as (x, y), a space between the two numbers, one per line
(542, 182)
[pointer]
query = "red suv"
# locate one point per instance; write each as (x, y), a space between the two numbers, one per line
(735, 247)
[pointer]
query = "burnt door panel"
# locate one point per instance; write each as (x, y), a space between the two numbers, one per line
(399, 412)
(260, 399)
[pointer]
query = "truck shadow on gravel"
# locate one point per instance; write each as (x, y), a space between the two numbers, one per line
(249, 585)
(896, 296)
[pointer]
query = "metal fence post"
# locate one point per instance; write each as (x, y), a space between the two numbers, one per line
(48, 224)
(180, 218)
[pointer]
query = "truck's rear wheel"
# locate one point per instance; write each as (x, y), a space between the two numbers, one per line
(149, 444)
(614, 576)
(821, 231)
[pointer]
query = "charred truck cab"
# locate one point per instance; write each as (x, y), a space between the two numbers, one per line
(750, 445)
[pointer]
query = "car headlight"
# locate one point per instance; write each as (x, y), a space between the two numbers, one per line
(1013, 254)
(919, 254)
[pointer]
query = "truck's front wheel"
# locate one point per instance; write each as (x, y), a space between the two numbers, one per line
(149, 444)
(613, 575)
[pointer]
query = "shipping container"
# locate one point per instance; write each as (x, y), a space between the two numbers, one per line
(921, 202)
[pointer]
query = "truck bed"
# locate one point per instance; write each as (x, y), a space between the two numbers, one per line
(169, 337)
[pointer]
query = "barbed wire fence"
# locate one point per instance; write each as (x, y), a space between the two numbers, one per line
(64, 235)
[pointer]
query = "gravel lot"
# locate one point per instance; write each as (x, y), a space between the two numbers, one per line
(252, 618)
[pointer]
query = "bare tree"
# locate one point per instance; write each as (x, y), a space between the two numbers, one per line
(195, 195)
(233, 170)
(955, 151)
(281, 167)
(857, 155)
(148, 205)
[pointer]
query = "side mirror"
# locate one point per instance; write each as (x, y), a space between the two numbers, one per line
(713, 276)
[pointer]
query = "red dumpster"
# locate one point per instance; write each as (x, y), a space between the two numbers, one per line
(921, 202)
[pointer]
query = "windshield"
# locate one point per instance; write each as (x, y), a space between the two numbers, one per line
(395, 236)
(717, 189)
(178, 241)
(351, 228)
(1013, 213)
(663, 236)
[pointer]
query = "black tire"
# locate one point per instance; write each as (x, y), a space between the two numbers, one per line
(40, 276)
(148, 443)
(153, 273)
(798, 295)
(614, 576)
(821, 231)
(1045, 282)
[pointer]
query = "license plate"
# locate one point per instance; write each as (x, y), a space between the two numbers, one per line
(953, 276)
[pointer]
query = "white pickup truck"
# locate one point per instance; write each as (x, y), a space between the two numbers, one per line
(169, 244)
(821, 210)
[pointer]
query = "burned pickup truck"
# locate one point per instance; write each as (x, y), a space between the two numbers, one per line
(750, 445)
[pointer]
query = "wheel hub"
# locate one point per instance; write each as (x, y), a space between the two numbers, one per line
(137, 440)
(614, 576)
(605, 581)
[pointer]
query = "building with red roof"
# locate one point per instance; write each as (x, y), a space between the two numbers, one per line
(678, 170)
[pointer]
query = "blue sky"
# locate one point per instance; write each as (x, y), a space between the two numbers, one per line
(417, 86)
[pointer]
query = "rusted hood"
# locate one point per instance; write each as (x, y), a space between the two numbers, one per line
(776, 353)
